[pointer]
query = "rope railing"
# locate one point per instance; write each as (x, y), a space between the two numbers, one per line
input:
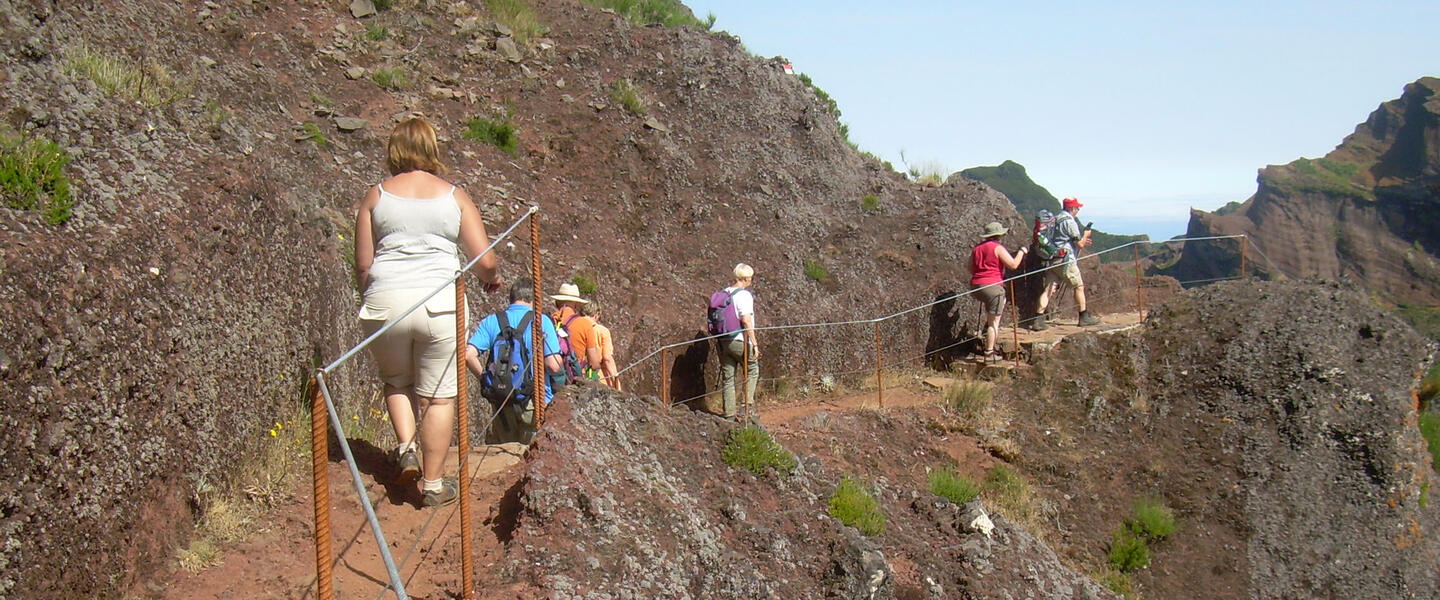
(664, 350)
(324, 562)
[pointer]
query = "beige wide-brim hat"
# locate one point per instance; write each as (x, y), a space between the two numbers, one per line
(993, 229)
(569, 292)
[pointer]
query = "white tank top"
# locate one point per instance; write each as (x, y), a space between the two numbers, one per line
(415, 241)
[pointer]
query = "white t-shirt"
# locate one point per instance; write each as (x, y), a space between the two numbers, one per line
(744, 303)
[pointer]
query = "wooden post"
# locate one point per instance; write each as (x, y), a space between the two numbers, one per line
(1139, 285)
(879, 366)
(319, 457)
(537, 336)
(462, 413)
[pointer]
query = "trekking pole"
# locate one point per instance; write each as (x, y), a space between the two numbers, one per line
(1139, 294)
(319, 454)
(879, 381)
(537, 336)
(462, 414)
(1014, 322)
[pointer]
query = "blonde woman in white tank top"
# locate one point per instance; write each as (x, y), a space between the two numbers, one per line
(409, 231)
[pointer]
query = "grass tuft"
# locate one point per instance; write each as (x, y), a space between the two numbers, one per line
(1430, 430)
(311, 132)
(815, 270)
(627, 95)
(1151, 519)
(666, 13)
(751, 448)
(870, 203)
(32, 177)
(825, 100)
(516, 15)
(586, 284)
(1117, 582)
(198, 556)
(150, 84)
(853, 506)
(391, 78)
(958, 489)
(1012, 496)
(376, 32)
(968, 398)
(1128, 552)
(500, 134)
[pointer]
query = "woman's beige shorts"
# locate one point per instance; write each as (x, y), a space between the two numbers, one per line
(419, 351)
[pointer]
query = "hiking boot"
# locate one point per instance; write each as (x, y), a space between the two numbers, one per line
(1038, 323)
(449, 491)
(1087, 319)
(407, 466)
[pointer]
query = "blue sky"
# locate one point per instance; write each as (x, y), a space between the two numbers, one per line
(1142, 110)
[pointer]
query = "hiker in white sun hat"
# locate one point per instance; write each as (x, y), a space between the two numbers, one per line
(579, 346)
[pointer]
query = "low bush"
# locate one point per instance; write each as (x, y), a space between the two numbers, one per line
(32, 177)
(500, 134)
(751, 448)
(627, 95)
(376, 32)
(1430, 429)
(968, 398)
(667, 13)
(870, 203)
(959, 489)
(586, 284)
(1117, 582)
(1128, 552)
(815, 270)
(1012, 496)
(1151, 519)
(311, 132)
(853, 506)
(391, 78)
(1430, 386)
(825, 100)
(516, 15)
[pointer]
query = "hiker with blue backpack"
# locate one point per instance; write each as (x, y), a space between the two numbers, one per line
(1057, 241)
(732, 317)
(506, 339)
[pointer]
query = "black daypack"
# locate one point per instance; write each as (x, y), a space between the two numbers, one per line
(508, 374)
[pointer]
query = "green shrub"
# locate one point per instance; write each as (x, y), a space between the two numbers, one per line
(311, 132)
(376, 32)
(32, 177)
(1011, 496)
(516, 15)
(1128, 551)
(1430, 429)
(825, 100)
(751, 448)
(968, 398)
(815, 270)
(627, 95)
(586, 284)
(500, 134)
(853, 506)
(955, 488)
(1151, 519)
(1117, 582)
(1430, 386)
(870, 203)
(667, 13)
(391, 78)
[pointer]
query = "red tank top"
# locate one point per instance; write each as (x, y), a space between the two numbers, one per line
(985, 267)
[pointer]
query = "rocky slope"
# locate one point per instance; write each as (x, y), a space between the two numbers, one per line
(1364, 212)
(156, 335)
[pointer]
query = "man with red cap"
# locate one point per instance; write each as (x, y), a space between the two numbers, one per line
(1068, 238)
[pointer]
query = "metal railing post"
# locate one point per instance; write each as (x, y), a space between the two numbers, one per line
(320, 455)
(742, 387)
(1244, 244)
(462, 409)
(537, 353)
(1014, 323)
(879, 366)
(1139, 285)
(664, 379)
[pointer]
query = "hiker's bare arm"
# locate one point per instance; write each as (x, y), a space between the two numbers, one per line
(552, 363)
(749, 322)
(472, 360)
(1010, 262)
(592, 356)
(365, 237)
(473, 240)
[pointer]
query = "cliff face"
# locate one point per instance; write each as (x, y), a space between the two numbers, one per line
(1366, 211)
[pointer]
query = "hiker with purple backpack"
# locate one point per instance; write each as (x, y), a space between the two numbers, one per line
(732, 317)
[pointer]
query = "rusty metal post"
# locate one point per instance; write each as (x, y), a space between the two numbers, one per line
(319, 457)
(664, 380)
(1014, 322)
(879, 366)
(462, 410)
(1244, 244)
(1139, 285)
(537, 336)
(742, 381)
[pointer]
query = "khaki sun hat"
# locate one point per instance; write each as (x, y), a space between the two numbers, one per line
(994, 229)
(569, 292)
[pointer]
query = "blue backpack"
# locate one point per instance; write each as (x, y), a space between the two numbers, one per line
(508, 374)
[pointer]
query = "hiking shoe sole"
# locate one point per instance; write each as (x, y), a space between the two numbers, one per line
(449, 492)
(408, 467)
(1089, 320)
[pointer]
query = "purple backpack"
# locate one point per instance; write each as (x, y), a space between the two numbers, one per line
(723, 316)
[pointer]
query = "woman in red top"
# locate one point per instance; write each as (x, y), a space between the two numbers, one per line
(988, 262)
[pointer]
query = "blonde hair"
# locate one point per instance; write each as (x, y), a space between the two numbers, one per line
(590, 310)
(744, 271)
(413, 147)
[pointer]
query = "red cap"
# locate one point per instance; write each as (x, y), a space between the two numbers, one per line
(1072, 203)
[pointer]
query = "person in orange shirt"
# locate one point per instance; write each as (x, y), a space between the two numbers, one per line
(579, 328)
(607, 370)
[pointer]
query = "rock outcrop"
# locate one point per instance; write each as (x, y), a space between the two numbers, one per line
(1366, 211)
